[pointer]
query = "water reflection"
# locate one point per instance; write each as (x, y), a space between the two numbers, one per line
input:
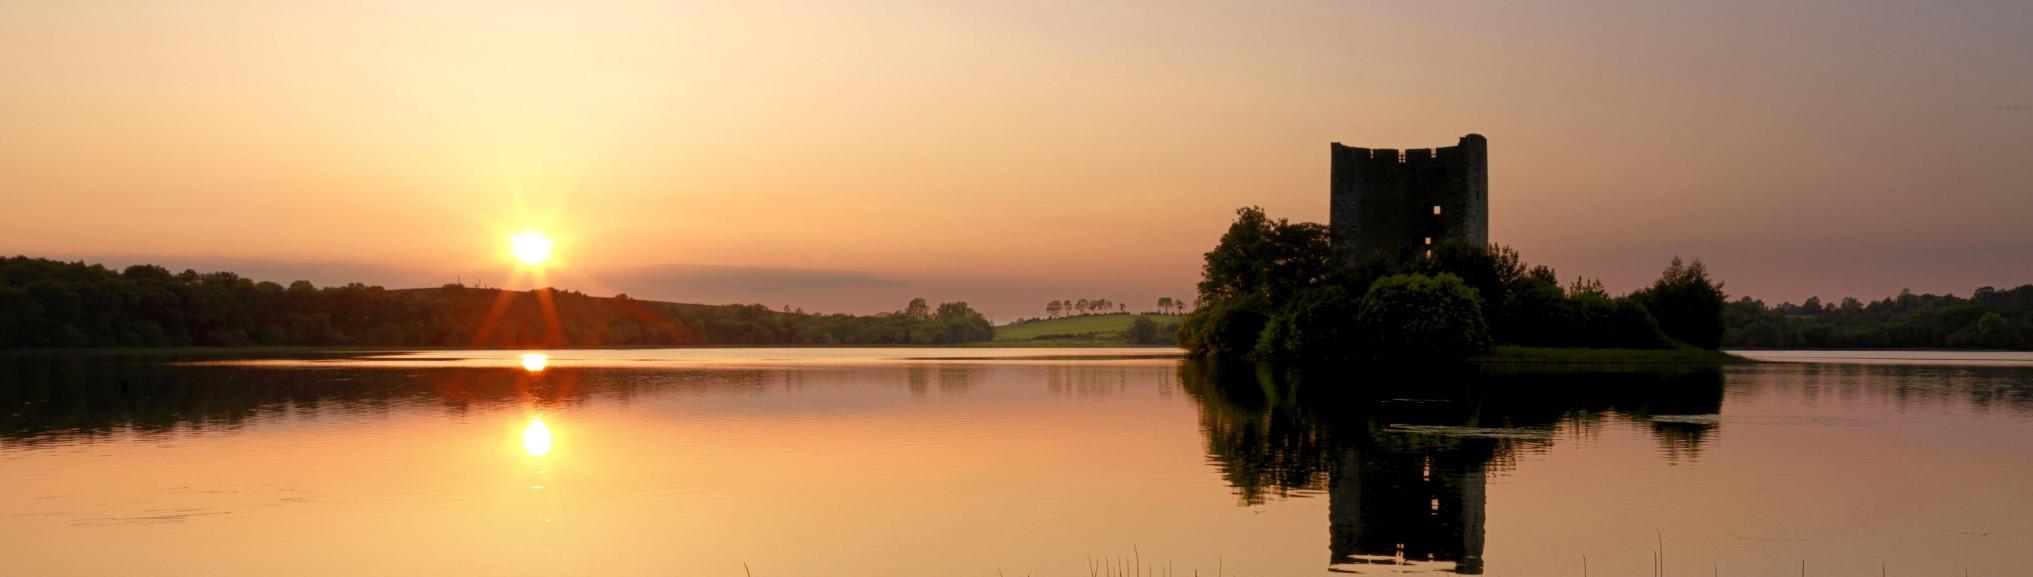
(1405, 455)
(1427, 469)
(536, 438)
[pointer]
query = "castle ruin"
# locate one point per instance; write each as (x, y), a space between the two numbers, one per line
(1396, 205)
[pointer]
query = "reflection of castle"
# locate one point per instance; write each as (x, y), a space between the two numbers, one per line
(1397, 506)
(1406, 481)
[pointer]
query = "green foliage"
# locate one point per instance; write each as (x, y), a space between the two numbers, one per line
(1422, 316)
(1596, 321)
(1144, 331)
(46, 303)
(1285, 280)
(1477, 266)
(1271, 259)
(1534, 313)
(1316, 325)
(1109, 329)
(1225, 328)
(1083, 307)
(1687, 304)
(1989, 319)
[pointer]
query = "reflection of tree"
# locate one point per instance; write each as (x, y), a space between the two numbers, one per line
(1101, 380)
(953, 380)
(1257, 448)
(1404, 453)
(1981, 388)
(83, 396)
(920, 382)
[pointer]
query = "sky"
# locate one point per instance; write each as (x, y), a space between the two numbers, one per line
(846, 157)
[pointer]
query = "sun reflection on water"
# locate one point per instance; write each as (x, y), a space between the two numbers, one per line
(536, 438)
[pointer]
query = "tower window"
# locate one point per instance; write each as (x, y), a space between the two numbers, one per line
(1429, 241)
(1436, 209)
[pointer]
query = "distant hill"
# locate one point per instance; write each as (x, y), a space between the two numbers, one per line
(1087, 330)
(46, 303)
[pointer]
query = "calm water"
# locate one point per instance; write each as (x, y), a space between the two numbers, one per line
(1016, 462)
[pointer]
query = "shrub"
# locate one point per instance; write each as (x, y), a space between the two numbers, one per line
(1224, 329)
(1142, 330)
(1687, 304)
(1317, 325)
(1597, 321)
(1418, 315)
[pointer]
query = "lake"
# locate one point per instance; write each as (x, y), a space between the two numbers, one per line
(1043, 462)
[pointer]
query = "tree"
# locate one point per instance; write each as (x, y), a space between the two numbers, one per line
(1686, 303)
(1224, 329)
(1532, 312)
(1993, 331)
(1165, 304)
(1142, 330)
(1273, 259)
(1053, 308)
(1317, 325)
(1411, 315)
(1478, 266)
(1584, 286)
(51, 303)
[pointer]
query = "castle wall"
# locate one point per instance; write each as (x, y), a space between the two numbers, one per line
(1383, 200)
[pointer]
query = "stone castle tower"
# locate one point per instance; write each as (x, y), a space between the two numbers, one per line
(1397, 204)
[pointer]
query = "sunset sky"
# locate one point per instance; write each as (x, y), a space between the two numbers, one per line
(847, 158)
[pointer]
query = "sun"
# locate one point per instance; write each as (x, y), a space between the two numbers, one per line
(531, 247)
(535, 362)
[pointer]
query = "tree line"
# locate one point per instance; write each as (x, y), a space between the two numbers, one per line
(1988, 319)
(48, 303)
(1278, 290)
(1073, 308)
(1101, 306)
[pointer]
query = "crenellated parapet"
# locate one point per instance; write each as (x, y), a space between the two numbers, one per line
(1396, 204)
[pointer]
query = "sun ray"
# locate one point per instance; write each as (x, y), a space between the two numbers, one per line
(497, 311)
(547, 306)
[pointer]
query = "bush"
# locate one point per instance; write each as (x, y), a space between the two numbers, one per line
(1276, 290)
(1418, 315)
(1224, 329)
(1596, 321)
(1142, 330)
(1534, 314)
(1317, 325)
(1687, 304)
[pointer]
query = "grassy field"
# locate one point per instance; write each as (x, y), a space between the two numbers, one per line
(1092, 330)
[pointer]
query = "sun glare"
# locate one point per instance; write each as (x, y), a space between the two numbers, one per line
(535, 362)
(536, 438)
(532, 248)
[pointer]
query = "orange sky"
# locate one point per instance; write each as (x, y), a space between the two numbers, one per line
(848, 158)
